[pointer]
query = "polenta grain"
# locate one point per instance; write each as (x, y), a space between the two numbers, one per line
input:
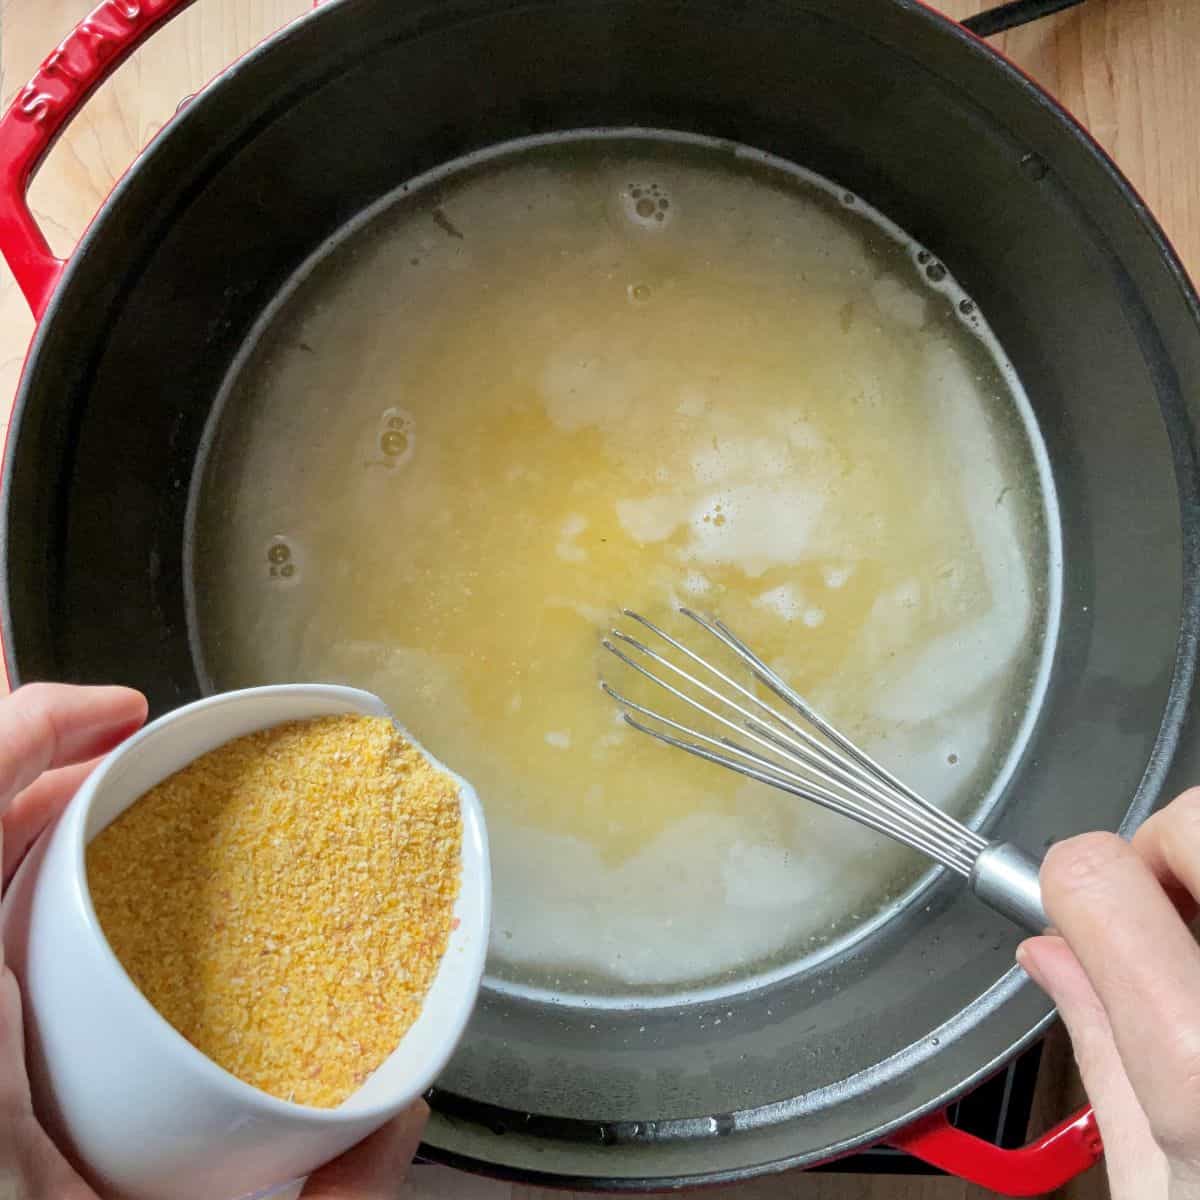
(285, 900)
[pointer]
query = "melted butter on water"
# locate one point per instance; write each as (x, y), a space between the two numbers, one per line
(580, 380)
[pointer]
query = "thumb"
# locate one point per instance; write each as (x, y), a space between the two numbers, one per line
(1136, 1166)
(376, 1167)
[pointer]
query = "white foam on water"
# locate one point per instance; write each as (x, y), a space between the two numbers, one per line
(836, 577)
(567, 547)
(739, 527)
(784, 601)
(752, 892)
(898, 299)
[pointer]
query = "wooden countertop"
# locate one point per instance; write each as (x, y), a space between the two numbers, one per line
(1125, 68)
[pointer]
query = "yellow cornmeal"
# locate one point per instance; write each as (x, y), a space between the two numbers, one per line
(285, 900)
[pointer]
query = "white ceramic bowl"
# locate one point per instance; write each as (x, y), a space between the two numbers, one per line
(145, 1113)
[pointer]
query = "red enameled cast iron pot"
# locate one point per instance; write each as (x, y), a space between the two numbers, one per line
(899, 106)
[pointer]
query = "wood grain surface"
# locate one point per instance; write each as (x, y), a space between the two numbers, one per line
(1125, 68)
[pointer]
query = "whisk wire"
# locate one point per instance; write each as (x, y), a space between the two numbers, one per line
(794, 729)
(852, 769)
(813, 761)
(798, 740)
(837, 776)
(940, 850)
(816, 756)
(771, 679)
(943, 849)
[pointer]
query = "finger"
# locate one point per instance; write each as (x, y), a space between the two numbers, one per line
(375, 1168)
(28, 1158)
(47, 725)
(14, 1083)
(1145, 969)
(1170, 844)
(30, 1162)
(1136, 1166)
(36, 807)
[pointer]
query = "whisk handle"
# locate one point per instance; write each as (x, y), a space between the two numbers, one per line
(1005, 878)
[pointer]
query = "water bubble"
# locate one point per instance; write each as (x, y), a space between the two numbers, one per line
(1034, 167)
(639, 293)
(281, 556)
(923, 256)
(952, 759)
(966, 307)
(395, 436)
(644, 206)
(936, 272)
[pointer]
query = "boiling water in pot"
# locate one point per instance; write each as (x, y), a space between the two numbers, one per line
(615, 372)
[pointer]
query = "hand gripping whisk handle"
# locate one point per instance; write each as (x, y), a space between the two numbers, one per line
(1005, 878)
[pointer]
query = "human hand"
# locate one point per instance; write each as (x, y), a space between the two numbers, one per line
(51, 736)
(1124, 971)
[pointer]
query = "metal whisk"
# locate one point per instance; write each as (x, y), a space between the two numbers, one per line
(814, 761)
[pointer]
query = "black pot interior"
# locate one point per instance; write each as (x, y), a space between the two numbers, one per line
(889, 101)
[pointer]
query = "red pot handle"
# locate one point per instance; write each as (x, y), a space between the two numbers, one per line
(41, 111)
(1043, 1166)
